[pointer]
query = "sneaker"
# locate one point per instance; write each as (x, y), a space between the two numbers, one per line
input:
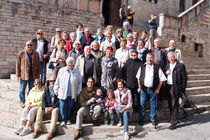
(68, 122)
(91, 112)
(112, 122)
(19, 130)
(22, 105)
(126, 136)
(62, 124)
(25, 131)
(119, 124)
(105, 122)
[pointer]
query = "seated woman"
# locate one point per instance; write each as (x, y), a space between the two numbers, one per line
(50, 106)
(59, 56)
(124, 109)
(33, 103)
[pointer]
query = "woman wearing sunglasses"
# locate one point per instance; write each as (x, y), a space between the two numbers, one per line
(33, 103)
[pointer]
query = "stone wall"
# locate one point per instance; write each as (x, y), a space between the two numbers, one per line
(20, 19)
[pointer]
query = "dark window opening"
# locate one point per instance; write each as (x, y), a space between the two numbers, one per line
(199, 49)
(194, 1)
(182, 6)
(183, 38)
(106, 12)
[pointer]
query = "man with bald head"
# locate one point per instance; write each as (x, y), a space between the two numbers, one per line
(172, 48)
(27, 69)
(87, 65)
(176, 86)
(87, 38)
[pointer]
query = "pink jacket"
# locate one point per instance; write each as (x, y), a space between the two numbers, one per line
(126, 99)
(110, 103)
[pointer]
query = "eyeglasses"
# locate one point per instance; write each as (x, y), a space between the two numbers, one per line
(38, 84)
(51, 80)
(133, 55)
(30, 45)
(40, 33)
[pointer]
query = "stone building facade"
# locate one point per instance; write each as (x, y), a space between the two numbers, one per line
(20, 19)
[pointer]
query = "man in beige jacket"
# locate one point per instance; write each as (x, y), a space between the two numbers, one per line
(27, 69)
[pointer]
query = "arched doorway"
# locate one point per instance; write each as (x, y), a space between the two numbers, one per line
(110, 12)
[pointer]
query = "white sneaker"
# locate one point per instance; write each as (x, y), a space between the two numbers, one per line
(62, 124)
(68, 122)
(19, 130)
(126, 137)
(25, 131)
(119, 124)
(105, 122)
(112, 122)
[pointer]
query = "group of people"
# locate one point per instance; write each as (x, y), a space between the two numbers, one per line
(108, 73)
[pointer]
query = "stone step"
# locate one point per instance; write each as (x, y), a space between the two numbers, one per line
(195, 66)
(198, 76)
(198, 90)
(198, 71)
(198, 83)
(10, 106)
(200, 98)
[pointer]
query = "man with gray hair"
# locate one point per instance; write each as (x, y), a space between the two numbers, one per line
(176, 86)
(86, 39)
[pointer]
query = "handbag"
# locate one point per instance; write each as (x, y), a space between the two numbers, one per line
(50, 65)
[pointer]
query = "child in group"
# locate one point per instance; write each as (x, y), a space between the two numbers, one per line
(99, 100)
(110, 105)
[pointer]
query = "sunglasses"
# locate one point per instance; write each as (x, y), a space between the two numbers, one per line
(30, 45)
(51, 80)
(40, 33)
(133, 55)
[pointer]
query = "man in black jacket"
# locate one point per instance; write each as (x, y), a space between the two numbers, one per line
(176, 85)
(129, 72)
(50, 105)
(86, 39)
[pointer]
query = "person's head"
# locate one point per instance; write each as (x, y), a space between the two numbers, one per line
(144, 34)
(87, 50)
(120, 84)
(129, 7)
(119, 32)
(73, 36)
(171, 57)
(99, 91)
(90, 82)
(135, 34)
(52, 80)
(172, 44)
(79, 26)
(153, 16)
(129, 37)
(109, 52)
(123, 43)
(100, 32)
(123, 6)
(61, 43)
(58, 32)
(65, 35)
(141, 44)
(150, 58)
(70, 63)
(29, 46)
(134, 54)
(87, 32)
(126, 25)
(108, 36)
(109, 28)
(157, 43)
(37, 83)
(110, 93)
(95, 45)
(77, 45)
(40, 34)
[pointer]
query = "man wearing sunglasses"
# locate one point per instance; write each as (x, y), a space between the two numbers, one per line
(42, 46)
(27, 69)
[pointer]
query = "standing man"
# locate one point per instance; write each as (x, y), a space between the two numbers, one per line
(87, 65)
(153, 25)
(176, 85)
(130, 17)
(122, 15)
(56, 38)
(27, 69)
(43, 47)
(86, 39)
(150, 79)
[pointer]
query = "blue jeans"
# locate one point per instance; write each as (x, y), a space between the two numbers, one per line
(145, 93)
(65, 109)
(23, 84)
(123, 116)
(43, 72)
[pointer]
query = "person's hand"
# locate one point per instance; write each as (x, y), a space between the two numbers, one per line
(122, 110)
(99, 101)
(57, 59)
(46, 110)
(157, 91)
(29, 107)
(56, 93)
(168, 72)
(18, 78)
(92, 100)
(45, 56)
(139, 90)
(114, 80)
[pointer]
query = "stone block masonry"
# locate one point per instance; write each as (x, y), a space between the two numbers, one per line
(20, 19)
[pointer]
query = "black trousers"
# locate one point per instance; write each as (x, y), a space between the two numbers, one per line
(173, 104)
